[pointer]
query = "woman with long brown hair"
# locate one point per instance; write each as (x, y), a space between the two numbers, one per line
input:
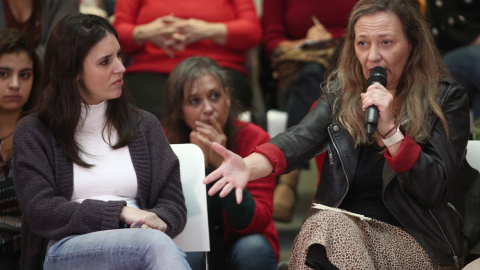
(392, 199)
(97, 182)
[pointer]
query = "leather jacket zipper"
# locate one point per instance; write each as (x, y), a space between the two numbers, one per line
(455, 258)
(330, 156)
(341, 162)
(454, 209)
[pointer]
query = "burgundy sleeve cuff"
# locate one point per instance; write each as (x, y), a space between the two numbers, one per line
(274, 155)
(406, 157)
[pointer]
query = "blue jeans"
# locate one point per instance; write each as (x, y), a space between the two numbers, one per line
(116, 249)
(464, 65)
(252, 252)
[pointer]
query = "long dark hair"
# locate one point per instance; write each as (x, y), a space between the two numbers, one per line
(417, 92)
(183, 75)
(59, 107)
(14, 41)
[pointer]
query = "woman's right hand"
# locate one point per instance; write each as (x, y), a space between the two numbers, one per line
(233, 173)
(138, 218)
(318, 32)
(159, 33)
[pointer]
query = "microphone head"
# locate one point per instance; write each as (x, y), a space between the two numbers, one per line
(378, 74)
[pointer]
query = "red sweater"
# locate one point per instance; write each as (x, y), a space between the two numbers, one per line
(291, 19)
(240, 17)
(249, 137)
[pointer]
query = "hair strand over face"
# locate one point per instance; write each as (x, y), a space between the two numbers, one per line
(59, 107)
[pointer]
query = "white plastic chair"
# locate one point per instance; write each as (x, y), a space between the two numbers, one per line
(473, 158)
(276, 122)
(195, 236)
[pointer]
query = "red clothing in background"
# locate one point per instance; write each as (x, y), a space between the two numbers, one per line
(240, 17)
(262, 222)
(291, 19)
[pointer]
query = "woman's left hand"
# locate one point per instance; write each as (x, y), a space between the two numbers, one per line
(206, 134)
(383, 99)
(194, 30)
(138, 218)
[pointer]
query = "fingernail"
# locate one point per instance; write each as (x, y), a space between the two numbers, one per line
(138, 224)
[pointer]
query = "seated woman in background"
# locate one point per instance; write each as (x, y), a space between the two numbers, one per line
(287, 24)
(19, 79)
(90, 168)
(409, 179)
(199, 110)
(36, 18)
(159, 34)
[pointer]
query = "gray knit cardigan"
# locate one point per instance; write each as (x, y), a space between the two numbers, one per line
(43, 179)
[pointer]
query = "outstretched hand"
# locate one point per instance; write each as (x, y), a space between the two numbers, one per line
(233, 173)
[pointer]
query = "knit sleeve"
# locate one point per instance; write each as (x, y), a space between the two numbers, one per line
(244, 32)
(261, 190)
(160, 188)
(273, 24)
(125, 16)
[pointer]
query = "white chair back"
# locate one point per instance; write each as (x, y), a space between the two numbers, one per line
(276, 122)
(473, 158)
(195, 236)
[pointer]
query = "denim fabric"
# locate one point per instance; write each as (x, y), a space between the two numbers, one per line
(464, 65)
(252, 252)
(130, 249)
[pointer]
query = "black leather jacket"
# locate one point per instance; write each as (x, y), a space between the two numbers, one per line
(428, 200)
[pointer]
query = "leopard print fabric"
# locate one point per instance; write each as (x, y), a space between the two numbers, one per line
(357, 244)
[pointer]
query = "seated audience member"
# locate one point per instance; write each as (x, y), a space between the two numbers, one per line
(93, 174)
(36, 18)
(19, 79)
(288, 24)
(199, 110)
(158, 35)
(401, 197)
(455, 27)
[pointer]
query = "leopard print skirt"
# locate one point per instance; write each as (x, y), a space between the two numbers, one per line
(352, 243)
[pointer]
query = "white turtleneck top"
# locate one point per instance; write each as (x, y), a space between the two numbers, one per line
(112, 177)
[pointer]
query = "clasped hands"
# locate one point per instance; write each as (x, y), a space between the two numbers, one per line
(172, 33)
(138, 218)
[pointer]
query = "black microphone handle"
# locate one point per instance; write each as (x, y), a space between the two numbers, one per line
(371, 119)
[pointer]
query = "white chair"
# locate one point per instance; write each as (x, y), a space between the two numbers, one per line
(276, 122)
(195, 236)
(473, 158)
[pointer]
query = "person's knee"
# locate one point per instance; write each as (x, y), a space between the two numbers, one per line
(155, 239)
(253, 252)
(160, 250)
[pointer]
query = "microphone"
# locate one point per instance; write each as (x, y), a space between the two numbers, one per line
(377, 75)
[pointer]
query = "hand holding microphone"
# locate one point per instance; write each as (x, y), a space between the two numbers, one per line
(377, 75)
